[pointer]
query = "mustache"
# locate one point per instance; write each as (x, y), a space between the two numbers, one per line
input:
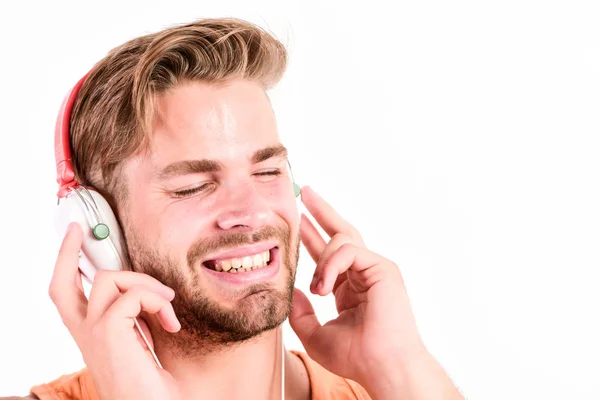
(203, 247)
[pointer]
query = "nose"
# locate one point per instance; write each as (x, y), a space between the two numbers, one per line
(242, 208)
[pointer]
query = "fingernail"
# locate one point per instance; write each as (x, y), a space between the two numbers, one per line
(320, 285)
(314, 280)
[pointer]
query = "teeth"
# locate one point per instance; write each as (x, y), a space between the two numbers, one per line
(225, 265)
(244, 264)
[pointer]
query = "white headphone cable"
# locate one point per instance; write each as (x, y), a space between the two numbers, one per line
(282, 366)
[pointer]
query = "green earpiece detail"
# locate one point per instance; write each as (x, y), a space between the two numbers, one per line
(101, 231)
(296, 189)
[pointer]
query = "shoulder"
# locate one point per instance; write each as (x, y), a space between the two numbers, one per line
(326, 385)
(75, 386)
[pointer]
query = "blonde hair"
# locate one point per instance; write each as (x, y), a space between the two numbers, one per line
(114, 110)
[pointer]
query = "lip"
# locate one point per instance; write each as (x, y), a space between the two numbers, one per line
(243, 251)
(259, 275)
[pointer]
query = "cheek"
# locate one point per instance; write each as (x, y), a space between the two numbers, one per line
(172, 227)
(280, 198)
(180, 223)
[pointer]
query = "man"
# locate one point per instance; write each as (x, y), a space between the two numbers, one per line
(176, 131)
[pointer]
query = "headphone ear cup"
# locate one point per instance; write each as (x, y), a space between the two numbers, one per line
(102, 242)
(296, 189)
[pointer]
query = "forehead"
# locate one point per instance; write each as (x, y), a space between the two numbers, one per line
(216, 121)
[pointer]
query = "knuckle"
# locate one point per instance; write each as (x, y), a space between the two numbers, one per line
(137, 291)
(341, 238)
(347, 247)
(53, 292)
(338, 236)
(102, 276)
(141, 294)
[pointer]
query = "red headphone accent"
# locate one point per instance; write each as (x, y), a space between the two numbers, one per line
(65, 176)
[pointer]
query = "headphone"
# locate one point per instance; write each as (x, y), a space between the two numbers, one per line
(102, 246)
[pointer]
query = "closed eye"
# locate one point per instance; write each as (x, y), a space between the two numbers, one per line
(274, 172)
(191, 191)
(268, 176)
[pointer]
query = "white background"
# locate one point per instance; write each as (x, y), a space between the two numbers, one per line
(460, 137)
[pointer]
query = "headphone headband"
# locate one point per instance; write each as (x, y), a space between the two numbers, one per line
(65, 176)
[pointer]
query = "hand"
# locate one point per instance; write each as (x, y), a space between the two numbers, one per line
(103, 327)
(374, 340)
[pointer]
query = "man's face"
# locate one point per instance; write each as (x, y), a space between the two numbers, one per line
(214, 192)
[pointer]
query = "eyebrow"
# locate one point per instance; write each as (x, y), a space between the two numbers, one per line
(202, 166)
(269, 152)
(188, 167)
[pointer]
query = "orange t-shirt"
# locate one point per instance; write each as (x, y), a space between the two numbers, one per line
(324, 385)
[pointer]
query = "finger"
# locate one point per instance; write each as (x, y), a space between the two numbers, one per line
(136, 299)
(311, 238)
(110, 285)
(368, 266)
(65, 290)
(314, 243)
(343, 277)
(327, 217)
(334, 244)
(302, 318)
(315, 338)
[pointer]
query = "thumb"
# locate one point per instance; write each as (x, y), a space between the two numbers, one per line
(303, 319)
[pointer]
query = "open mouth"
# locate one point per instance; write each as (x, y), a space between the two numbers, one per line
(244, 264)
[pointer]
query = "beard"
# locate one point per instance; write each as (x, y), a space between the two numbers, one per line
(207, 324)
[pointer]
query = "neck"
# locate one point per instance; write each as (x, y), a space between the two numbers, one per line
(250, 370)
